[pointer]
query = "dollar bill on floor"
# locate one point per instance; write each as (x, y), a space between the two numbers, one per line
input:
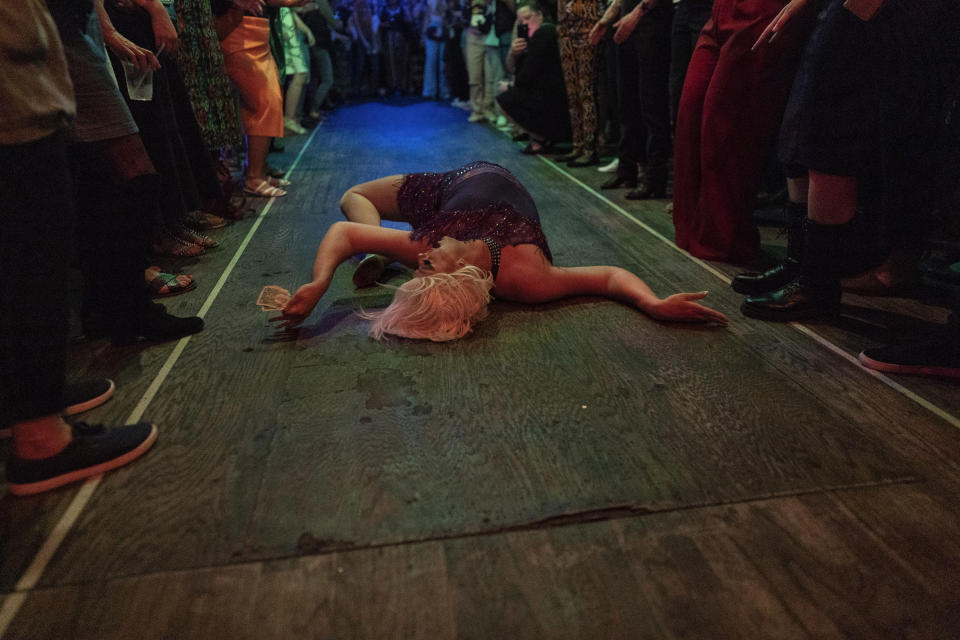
(273, 298)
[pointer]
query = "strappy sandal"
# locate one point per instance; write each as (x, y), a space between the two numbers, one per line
(164, 285)
(278, 182)
(190, 235)
(167, 244)
(263, 189)
(203, 221)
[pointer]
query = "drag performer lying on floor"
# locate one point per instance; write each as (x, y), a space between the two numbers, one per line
(474, 229)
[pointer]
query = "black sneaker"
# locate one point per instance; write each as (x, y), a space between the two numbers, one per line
(928, 357)
(95, 449)
(151, 322)
(85, 395)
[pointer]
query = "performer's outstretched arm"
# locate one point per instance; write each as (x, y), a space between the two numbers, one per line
(544, 282)
(343, 240)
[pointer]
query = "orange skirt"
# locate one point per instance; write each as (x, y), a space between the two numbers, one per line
(249, 63)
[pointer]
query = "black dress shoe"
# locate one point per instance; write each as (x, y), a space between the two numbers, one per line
(573, 155)
(754, 283)
(150, 322)
(585, 161)
(647, 191)
(620, 182)
(800, 299)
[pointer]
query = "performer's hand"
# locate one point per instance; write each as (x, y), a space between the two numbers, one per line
(300, 305)
(597, 33)
(780, 21)
(680, 307)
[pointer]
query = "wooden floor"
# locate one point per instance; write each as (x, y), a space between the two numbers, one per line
(570, 471)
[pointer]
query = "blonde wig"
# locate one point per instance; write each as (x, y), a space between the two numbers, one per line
(438, 307)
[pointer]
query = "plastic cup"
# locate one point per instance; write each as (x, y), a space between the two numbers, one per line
(139, 83)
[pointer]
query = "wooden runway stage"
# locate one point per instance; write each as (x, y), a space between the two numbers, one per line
(571, 471)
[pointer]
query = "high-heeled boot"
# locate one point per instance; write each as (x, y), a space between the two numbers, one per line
(754, 283)
(816, 291)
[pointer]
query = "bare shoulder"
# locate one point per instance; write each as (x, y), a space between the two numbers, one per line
(522, 266)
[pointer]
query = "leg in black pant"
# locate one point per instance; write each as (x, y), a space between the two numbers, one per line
(116, 209)
(35, 251)
(631, 147)
(652, 49)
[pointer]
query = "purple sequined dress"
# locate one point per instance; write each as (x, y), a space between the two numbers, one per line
(477, 201)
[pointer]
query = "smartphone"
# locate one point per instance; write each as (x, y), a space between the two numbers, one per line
(523, 31)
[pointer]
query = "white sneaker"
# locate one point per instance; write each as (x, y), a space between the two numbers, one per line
(460, 104)
(477, 117)
(610, 168)
(502, 122)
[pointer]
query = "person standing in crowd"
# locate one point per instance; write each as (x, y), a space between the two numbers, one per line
(395, 28)
(872, 113)
(455, 64)
(435, 35)
(296, 65)
(479, 25)
(245, 42)
(37, 213)
(319, 18)
(643, 33)
(171, 138)
(363, 25)
(201, 64)
(729, 111)
(581, 68)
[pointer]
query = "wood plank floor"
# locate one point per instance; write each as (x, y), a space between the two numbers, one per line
(571, 470)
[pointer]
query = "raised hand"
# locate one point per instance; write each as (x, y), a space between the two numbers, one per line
(681, 307)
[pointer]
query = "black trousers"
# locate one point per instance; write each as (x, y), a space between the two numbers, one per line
(37, 219)
(645, 74)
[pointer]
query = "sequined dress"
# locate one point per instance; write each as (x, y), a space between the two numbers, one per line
(479, 200)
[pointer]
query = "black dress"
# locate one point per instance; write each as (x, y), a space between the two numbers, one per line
(538, 99)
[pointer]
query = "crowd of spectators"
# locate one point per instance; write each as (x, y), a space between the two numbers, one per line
(120, 120)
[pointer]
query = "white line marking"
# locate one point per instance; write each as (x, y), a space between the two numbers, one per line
(13, 602)
(807, 331)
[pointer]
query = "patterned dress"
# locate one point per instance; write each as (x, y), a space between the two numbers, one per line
(201, 63)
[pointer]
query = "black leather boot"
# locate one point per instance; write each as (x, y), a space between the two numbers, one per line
(754, 283)
(816, 291)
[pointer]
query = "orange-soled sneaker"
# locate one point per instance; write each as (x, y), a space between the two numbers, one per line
(935, 356)
(87, 394)
(95, 449)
